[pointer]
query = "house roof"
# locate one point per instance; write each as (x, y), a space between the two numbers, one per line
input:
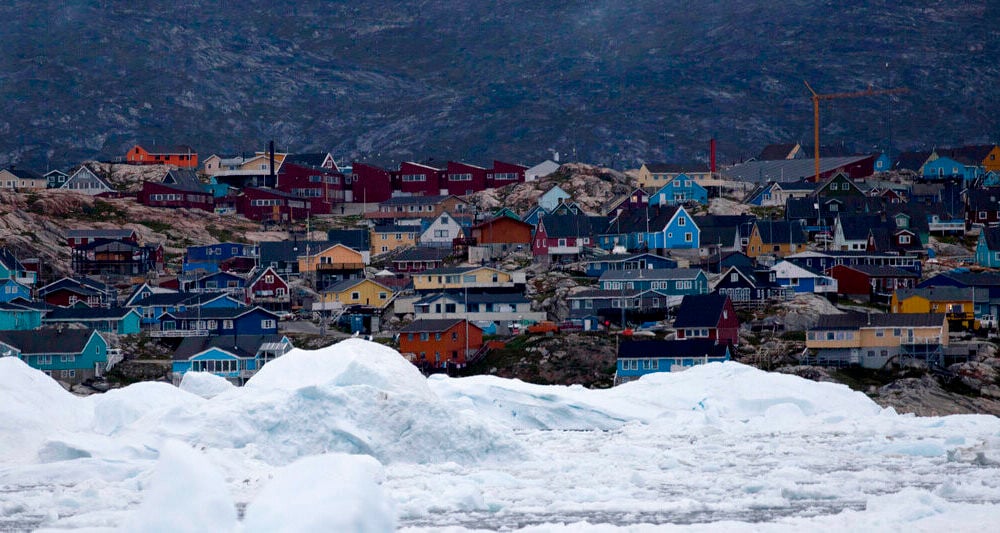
(416, 200)
(911, 161)
(774, 152)
(475, 297)
(876, 271)
(25, 174)
(879, 320)
(290, 250)
(653, 218)
(100, 233)
(562, 226)
(423, 253)
(688, 348)
(396, 228)
(48, 340)
(432, 325)
(343, 285)
(781, 232)
(215, 313)
(605, 294)
(786, 169)
(972, 155)
(178, 298)
(650, 274)
(937, 294)
(358, 239)
(245, 346)
(671, 168)
(167, 149)
(69, 314)
(307, 159)
(700, 310)
(9, 260)
(184, 179)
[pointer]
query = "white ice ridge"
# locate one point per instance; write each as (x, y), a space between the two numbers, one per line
(353, 437)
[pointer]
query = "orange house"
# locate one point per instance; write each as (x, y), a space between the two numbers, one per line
(182, 156)
(438, 343)
(502, 230)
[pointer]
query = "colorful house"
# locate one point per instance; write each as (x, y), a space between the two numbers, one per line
(776, 237)
(598, 266)
(708, 316)
(116, 258)
(234, 358)
(66, 354)
(175, 196)
(386, 238)
(638, 358)
(958, 303)
(66, 292)
(872, 340)
(12, 290)
(654, 175)
(369, 184)
(679, 190)
(271, 205)
(154, 306)
(334, 258)
(182, 156)
(477, 305)
(656, 228)
(673, 281)
(877, 283)
(12, 269)
(419, 259)
(442, 231)
(209, 257)
(440, 343)
(469, 277)
(503, 174)
(951, 167)
(750, 287)
(418, 207)
(502, 231)
(988, 248)
(55, 179)
(219, 321)
(357, 292)
(803, 280)
(17, 317)
(268, 290)
(21, 179)
(117, 320)
(551, 198)
(565, 236)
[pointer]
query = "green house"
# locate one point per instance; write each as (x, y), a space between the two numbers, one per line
(66, 354)
(119, 320)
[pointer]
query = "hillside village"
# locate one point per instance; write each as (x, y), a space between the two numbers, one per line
(163, 264)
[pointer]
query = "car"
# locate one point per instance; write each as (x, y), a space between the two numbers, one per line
(285, 315)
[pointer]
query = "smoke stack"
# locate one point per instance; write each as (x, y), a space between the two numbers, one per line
(711, 149)
(273, 182)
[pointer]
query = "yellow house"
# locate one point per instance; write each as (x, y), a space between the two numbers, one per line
(656, 175)
(462, 278)
(387, 238)
(776, 237)
(358, 292)
(21, 179)
(958, 303)
(336, 257)
(874, 340)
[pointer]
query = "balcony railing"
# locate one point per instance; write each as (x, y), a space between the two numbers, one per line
(172, 333)
(339, 266)
(933, 340)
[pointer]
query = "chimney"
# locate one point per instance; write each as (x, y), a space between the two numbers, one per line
(273, 182)
(711, 149)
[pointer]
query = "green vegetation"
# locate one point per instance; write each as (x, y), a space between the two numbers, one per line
(224, 235)
(155, 225)
(101, 211)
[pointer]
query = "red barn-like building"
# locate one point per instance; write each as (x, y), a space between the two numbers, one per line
(708, 316)
(503, 174)
(502, 230)
(320, 187)
(271, 205)
(162, 195)
(438, 343)
(370, 184)
(182, 156)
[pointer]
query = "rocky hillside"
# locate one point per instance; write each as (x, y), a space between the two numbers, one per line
(608, 81)
(34, 224)
(590, 186)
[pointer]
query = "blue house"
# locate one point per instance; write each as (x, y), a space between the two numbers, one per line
(15, 317)
(70, 355)
(988, 248)
(672, 281)
(234, 358)
(988, 308)
(655, 228)
(12, 269)
(596, 267)
(638, 358)
(208, 322)
(883, 163)
(803, 280)
(679, 190)
(751, 287)
(946, 167)
(152, 307)
(209, 257)
(12, 290)
(118, 320)
(229, 282)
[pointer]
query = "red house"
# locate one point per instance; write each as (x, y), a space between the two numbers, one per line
(440, 343)
(76, 238)
(708, 316)
(320, 187)
(462, 178)
(182, 156)
(421, 178)
(271, 205)
(268, 290)
(370, 184)
(162, 195)
(875, 282)
(502, 229)
(503, 174)
(562, 235)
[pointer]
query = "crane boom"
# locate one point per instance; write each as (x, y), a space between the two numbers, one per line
(816, 97)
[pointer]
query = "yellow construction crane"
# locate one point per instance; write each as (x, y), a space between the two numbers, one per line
(816, 97)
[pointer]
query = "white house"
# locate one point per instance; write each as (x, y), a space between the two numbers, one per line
(85, 181)
(442, 231)
(803, 280)
(541, 170)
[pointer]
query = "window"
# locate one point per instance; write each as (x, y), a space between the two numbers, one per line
(267, 323)
(355, 295)
(269, 279)
(45, 359)
(734, 277)
(212, 324)
(382, 295)
(880, 332)
(227, 324)
(424, 336)
(904, 239)
(681, 221)
(688, 237)
(834, 186)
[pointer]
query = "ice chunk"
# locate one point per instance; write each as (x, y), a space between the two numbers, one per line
(185, 493)
(118, 408)
(205, 384)
(332, 492)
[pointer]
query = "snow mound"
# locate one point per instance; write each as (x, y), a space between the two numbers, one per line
(185, 494)
(118, 408)
(33, 407)
(205, 384)
(331, 492)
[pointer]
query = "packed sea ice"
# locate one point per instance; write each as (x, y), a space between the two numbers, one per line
(353, 438)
